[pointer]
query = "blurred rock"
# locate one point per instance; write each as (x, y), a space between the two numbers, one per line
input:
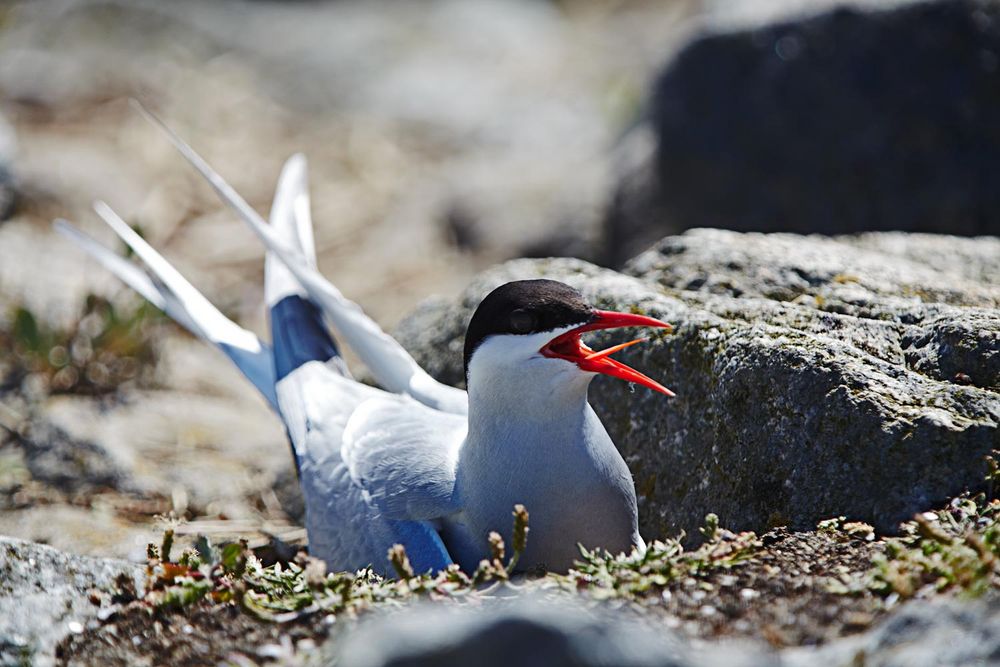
(58, 460)
(937, 633)
(505, 107)
(89, 474)
(849, 121)
(47, 594)
(530, 632)
(8, 185)
(8, 193)
(526, 631)
(815, 376)
(289, 493)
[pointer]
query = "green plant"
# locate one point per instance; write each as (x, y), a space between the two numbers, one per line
(102, 348)
(953, 549)
(644, 573)
(231, 574)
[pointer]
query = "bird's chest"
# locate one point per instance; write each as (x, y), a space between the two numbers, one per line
(576, 490)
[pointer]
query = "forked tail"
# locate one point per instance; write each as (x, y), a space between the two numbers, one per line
(298, 332)
(168, 290)
(391, 365)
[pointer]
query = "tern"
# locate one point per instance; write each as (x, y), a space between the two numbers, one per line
(416, 463)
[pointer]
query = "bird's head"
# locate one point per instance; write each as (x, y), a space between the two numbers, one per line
(530, 331)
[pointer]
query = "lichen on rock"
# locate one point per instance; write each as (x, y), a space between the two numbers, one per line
(815, 376)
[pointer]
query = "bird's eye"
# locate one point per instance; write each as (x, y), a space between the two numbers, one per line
(522, 321)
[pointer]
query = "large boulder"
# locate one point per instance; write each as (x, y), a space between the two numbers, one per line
(815, 377)
(852, 120)
(46, 594)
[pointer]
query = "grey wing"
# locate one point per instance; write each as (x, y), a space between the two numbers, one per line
(404, 454)
(346, 527)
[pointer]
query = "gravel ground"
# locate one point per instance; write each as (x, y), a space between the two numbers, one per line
(783, 596)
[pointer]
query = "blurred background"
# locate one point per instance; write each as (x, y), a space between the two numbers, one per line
(443, 136)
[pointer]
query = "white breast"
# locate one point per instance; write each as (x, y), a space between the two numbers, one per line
(533, 439)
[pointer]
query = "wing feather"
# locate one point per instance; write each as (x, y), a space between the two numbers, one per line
(403, 455)
(346, 526)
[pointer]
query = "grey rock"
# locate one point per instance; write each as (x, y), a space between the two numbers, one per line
(532, 632)
(815, 376)
(936, 633)
(46, 594)
(852, 120)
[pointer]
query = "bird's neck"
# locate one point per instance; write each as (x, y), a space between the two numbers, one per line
(514, 414)
(542, 446)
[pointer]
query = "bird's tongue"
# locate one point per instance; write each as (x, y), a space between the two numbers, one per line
(601, 362)
(570, 347)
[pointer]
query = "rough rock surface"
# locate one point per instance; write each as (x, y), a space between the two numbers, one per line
(46, 594)
(853, 120)
(936, 633)
(816, 376)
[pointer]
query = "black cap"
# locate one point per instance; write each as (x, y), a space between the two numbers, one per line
(525, 307)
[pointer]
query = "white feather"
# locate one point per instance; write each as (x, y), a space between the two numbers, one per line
(179, 299)
(403, 454)
(292, 228)
(214, 326)
(126, 271)
(390, 364)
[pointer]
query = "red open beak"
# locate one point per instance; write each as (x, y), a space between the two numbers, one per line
(568, 346)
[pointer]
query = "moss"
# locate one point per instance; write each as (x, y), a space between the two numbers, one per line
(777, 519)
(646, 486)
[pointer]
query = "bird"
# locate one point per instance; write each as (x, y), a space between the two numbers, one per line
(416, 462)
